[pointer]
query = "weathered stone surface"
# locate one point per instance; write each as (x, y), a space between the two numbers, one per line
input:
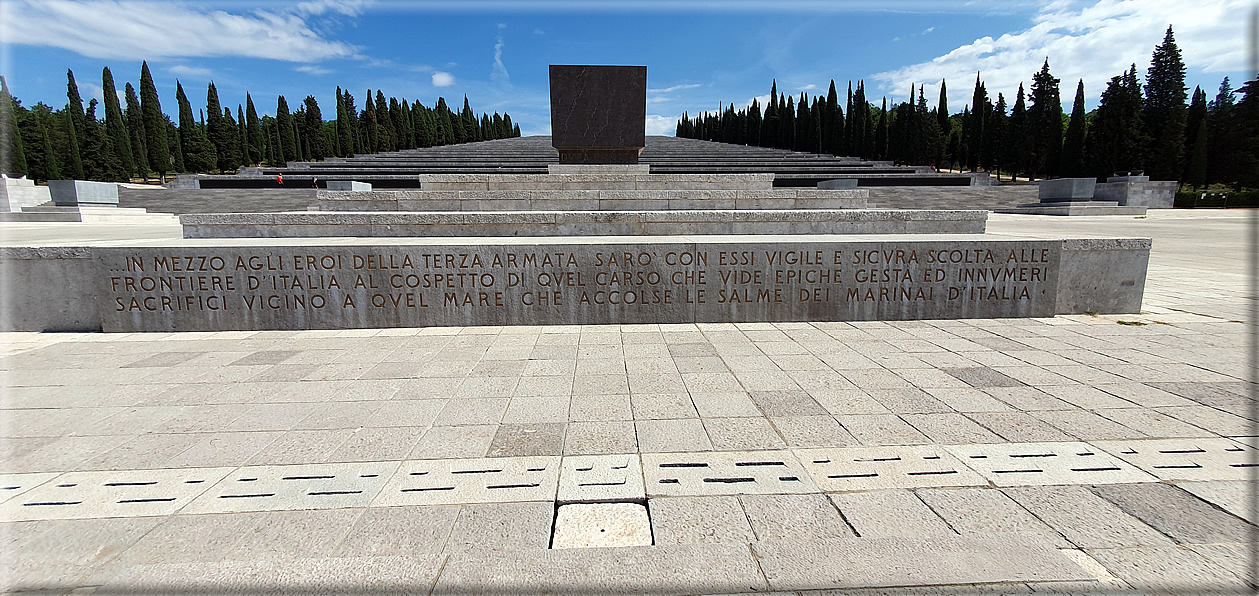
(597, 113)
(1066, 189)
(585, 525)
(70, 193)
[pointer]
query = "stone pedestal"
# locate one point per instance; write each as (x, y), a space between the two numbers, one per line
(16, 193)
(349, 185)
(1066, 190)
(598, 113)
(75, 193)
(840, 184)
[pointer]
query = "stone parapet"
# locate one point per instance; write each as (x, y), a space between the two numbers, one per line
(596, 181)
(1138, 193)
(593, 200)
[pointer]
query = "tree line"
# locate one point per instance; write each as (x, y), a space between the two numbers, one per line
(1156, 128)
(138, 140)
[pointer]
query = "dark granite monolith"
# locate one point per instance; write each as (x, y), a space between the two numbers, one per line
(598, 113)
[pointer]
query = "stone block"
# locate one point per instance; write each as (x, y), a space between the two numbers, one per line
(597, 113)
(838, 184)
(73, 193)
(1062, 190)
(349, 185)
(585, 525)
(16, 193)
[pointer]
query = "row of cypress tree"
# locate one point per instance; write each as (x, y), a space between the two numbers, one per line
(1150, 128)
(139, 140)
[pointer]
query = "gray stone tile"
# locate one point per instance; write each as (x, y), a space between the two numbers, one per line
(54, 554)
(502, 527)
(544, 386)
(812, 431)
(401, 531)
(1234, 557)
(787, 403)
(600, 408)
(1018, 427)
(528, 439)
(660, 406)
(1176, 513)
(741, 434)
(1084, 518)
(223, 449)
(724, 405)
(850, 563)
(529, 410)
(1168, 569)
(187, 539)
(410, 412)
(443, 442)
(471, 411)
(951, 428)
(307, 575)
(142, 452)
(600, 383)
(985, 511)
(908, 401)
(378, 444)
(793, 517)
(890, 513)
(294, 535)
(601, 437)
(688, 520)
(1088, 426)
(882, 430)
(665, 569)
(655, 436)
(1234, 496)
(1152, 423)
(301, 447)
(983, 377)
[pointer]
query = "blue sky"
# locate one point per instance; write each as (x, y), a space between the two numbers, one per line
(699, 54)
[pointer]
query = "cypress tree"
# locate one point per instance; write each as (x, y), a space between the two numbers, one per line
(787, 133)
(135, 131)
(1016, 142)
(75, 108)
(41, 159)
(445, 128)
(115, 125)
(849, 127)
(1116, 139)
(75, 164)
(1164, 111)
(156, 139)
(942, 109)
(221, 132)
(828, 119)
(100, 158)
(1073, 165)
(288, 144)
(881, 133)
(12, 152)
(1196, 140)
(198, 153)
(769, 128)
(314, 130)
(345, 132)
(253, 130)
(1044, 121)
(1222, 136)
(977, 126)
(242, 136)
(173, 141)
(385, 140)
(993, 147)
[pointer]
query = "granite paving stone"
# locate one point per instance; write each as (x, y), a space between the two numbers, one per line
(528, 439)
(812, 431)
(1180, 515)
(1018, 427)
(950, 428)
(890, 513)
(1084, 518)
(690, 520)
(378, 444)
(399, 531)
(885, 429)
(600, 407)
(441, 442)
(985, 511)
(741, 434)
(1234, 496)
(656, 436)
(501, 527)
(294, 534)
(1168, 569)
(793, 517)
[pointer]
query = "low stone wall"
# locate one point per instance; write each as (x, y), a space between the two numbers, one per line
(1151, 194)
(363, 283)
(1003, 196)
(218, 200)
(580, 223)
(590, 200)
(596, 181)
(16, 193)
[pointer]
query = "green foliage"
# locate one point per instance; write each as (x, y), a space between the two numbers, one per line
(1116, 139)
(284, 128)
(12, 152)
(198, 153)
(221, 132)
(156, 137)
(1073, 165)
(116, 125)
(135, 133)
(1044, 125)
(1164, 111)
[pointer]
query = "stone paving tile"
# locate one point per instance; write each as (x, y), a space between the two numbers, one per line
(399, 531)
(528, 439)
(882, 430)
(223, 449)
(1234, 496)
(1086, 519)
(985, 511)
(668, 569)
(378, 444)
(54, 555)
(908, 401)
(793, 517)
(482, 480)
(656, 436)
(724, 405)
(601, 478)
(983, 377)
(285, 535)
(1176, 513)
(301, 447)
(1024, 464)
(1234, 557)
(660, 406)
(183, 539)
(724, 473)
(1018, 427)
(600, 407)
(1168, 569)
(851, 563)
(850, 401)
(1186, 459)
(1027, 398)
(742, 434)
(691, 520)
(441, 442)
(951, 428)
(845, 469)
(600, 437)
(1220, 422)
(812, 431)
(472, 411)
(526, 410)
(968, 399)
(890, 513)
(1087, 426)
(142, 452)
(1153, 423)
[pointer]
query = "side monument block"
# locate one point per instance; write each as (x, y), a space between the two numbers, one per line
(598, 113)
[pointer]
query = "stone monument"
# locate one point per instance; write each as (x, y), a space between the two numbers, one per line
(598, 113)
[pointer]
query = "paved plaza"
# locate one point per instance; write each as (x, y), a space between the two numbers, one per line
(1074, 454)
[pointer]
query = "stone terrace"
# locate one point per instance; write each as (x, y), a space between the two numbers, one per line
(1068, 455)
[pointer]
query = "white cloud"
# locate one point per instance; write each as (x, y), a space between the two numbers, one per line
(351, 8)
(111, 29)
(314, 70)
(539, 32)
(675, 88)
(499, 73)
(1093, 42)
(189, 71)
(660, 125)
(808, 87)
(928, 30)
(443, 79)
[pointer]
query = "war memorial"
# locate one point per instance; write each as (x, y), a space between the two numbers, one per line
(626, 366)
